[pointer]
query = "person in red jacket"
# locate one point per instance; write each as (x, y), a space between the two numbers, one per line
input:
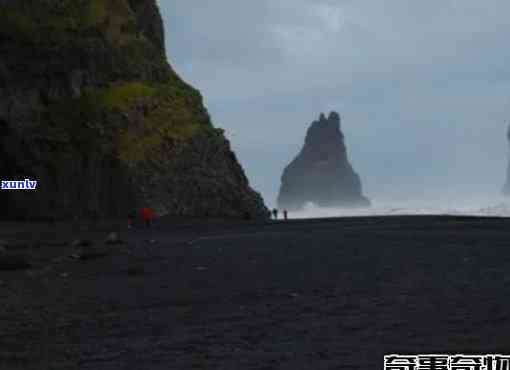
(147, 216)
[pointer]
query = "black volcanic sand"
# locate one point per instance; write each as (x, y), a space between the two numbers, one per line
(312, 294)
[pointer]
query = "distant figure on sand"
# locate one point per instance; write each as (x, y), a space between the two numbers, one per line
(275, 214)
(131, 220)
(147, 216)
(285, 215)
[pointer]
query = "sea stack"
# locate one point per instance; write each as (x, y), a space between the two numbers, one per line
(506, 187)
(91, 110)
(321, 173)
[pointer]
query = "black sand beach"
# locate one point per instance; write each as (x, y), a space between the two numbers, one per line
(304, 294)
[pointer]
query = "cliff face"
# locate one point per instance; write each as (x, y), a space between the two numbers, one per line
(321, 173)
(506, 187)
(90, 108)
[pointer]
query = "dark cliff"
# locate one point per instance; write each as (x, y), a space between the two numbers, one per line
(91, 109)
(506, 187)
(321, 173)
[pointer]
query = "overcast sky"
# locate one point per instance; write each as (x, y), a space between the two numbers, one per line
(423, 87)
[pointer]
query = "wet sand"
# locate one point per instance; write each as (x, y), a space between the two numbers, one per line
(303, 294)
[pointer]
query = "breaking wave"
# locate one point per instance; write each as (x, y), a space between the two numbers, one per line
(487, 207)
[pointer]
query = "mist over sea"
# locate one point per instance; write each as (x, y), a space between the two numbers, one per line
(495, 206)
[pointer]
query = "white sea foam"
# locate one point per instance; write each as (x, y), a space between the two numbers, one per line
(495, 207)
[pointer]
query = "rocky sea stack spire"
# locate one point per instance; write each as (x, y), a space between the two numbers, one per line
(321, 173)
(91, 109)
(506, 187)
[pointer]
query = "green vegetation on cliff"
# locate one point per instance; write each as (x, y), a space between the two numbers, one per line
(131, 120)
(120, 97)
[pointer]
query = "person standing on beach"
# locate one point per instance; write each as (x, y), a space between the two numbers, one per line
(285, 215)
(275, 214)
(147, 216)
(131, 220)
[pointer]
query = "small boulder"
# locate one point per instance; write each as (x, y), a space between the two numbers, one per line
(53, 243)
(85, 250)
(11, 262)
(13, 245)
(135, 270)
(78, 243)
(113, 239)
(90, 253)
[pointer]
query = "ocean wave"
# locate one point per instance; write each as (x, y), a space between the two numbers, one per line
(495, 207)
